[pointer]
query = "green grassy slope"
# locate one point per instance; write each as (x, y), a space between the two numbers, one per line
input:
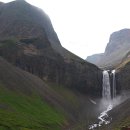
(20, 112)
(26, 103)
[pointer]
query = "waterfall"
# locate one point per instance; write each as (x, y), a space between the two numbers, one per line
(113, 85)
(106, 95)
(106, 89)
(106, 92)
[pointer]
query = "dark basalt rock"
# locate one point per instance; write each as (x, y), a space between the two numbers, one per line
(123, 77)
(51, 67)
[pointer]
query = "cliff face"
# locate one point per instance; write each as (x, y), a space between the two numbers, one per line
(28, 40)
(116, 49)
(123, 77)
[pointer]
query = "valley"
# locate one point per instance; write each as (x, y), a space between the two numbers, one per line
(43, 86)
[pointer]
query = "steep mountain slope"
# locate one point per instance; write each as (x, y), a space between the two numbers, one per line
(116, 50)
(23, 100)
(26, 102)
(28, 40)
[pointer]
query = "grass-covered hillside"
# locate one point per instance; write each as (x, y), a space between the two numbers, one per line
(27, 103)
(20, 112)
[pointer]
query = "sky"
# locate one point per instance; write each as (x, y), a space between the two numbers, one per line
(84, 26)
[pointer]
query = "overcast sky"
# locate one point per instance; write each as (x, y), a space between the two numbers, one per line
(84, 26)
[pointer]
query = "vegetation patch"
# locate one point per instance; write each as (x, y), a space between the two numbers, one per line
(20, 112)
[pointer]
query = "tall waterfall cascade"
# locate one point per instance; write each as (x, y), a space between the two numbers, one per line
(113, 84)
(108, 93)
(106, 88)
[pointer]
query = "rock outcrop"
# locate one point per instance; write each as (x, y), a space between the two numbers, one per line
(28, 40)
(123, 77)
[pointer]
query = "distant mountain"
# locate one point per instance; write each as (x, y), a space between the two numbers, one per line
(95, 59)
(116, 50)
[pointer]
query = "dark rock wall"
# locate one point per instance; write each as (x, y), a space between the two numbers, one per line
(50, 66)
(123, 77)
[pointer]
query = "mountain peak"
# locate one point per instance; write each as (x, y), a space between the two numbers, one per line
(117, 39)
(123, 34)
(29, 21)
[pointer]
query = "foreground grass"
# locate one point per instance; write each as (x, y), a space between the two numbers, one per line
(20, 112)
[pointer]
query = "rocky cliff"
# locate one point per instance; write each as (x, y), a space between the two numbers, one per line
(123, 76)
(116, 50)
(28, 40)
